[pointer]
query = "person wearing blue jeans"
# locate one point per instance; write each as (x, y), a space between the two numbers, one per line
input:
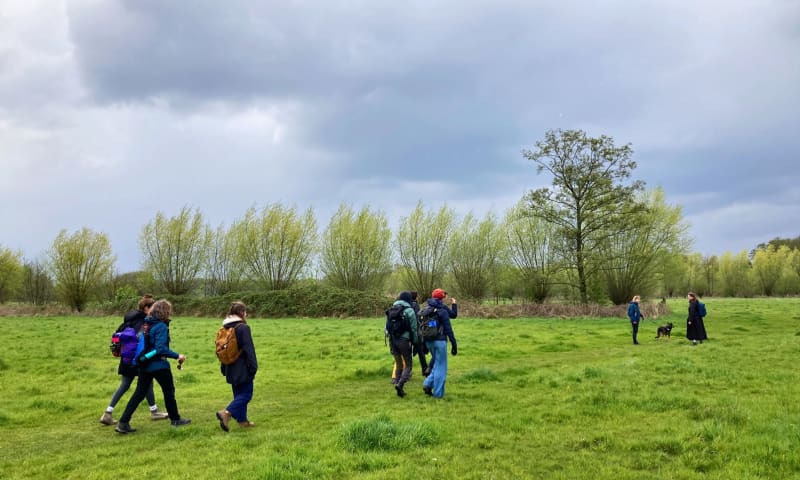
(635, 316)
(434, 383)
(241, 373)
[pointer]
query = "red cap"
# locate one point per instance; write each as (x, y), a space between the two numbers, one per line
(439, 293)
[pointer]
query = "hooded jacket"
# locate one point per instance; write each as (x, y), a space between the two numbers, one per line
(445, 314)
(244, 369)
(159, 340)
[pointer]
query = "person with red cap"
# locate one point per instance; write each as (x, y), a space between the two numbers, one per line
(436, 310)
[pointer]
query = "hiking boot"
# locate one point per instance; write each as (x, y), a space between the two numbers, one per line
(181, 421)
(247, 424)
(400, 392)
(427, 390)
(224, 417)
(124, 427)
(156, 415)
(106, 419)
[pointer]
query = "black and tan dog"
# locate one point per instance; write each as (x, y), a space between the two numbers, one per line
(664, 331)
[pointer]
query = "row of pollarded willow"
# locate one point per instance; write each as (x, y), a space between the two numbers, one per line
(580, 226)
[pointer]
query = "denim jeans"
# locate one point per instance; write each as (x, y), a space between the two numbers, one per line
(438, 375)
(242, 394)
(124, 385)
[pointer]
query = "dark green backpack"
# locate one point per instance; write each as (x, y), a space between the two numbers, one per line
(430, 327)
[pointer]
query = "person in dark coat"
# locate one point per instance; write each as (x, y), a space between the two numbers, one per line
(135, 320)
(695, 327)
(241, 373)
(635, 316)
(434, 383)
(158, 369)
(420, 348)
(403, 342)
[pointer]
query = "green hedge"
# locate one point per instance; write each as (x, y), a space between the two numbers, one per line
(302, 300)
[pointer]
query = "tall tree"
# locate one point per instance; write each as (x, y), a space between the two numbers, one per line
(630, 258)
(475, 248)
(80, 262)
(768, 265)
(11, 271)
(422, 246)
(37, 286)
(275, 246)
(734, 273)
(223, 273)
(589, 197)
(356, 249)
(175, 249)
(531, 249)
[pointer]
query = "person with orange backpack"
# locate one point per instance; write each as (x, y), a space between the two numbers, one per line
(238, 362)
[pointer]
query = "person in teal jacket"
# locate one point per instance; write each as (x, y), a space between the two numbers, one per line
(402, 342)
(635, 316)
(157, 325)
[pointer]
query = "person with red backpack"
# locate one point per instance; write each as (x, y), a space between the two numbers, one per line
(242, 370)
(133, 319)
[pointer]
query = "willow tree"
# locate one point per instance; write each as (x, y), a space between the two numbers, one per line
(79, 263)
(588, 199)
(356, 249)
(630, 258)
(11, 273)
(768, 265)
(531, 249)
(275, 246)
(735, 272)
(475, 249)
(421, 244)
(175, 249)
(223, 273)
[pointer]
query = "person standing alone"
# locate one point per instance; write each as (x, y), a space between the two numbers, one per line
(241, 373)
(635, 315)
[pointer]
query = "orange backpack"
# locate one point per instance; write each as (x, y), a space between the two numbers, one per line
(227, 345)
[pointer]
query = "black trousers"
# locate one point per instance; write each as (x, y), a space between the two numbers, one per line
(164, 379)
(635, 327)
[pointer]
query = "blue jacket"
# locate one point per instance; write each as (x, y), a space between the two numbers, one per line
(159, 340)
(633, 312)
(445, 314)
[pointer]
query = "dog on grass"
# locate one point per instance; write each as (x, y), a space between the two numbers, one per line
(664, 331)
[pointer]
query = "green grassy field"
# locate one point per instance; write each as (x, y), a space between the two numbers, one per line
(532, 398)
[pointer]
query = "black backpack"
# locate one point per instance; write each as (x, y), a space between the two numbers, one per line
(396, 322)
(430, 327)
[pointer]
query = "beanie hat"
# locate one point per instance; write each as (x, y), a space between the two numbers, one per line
(439, 293)
(405, 296)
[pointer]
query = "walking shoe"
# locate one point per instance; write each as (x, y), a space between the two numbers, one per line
(156, 415)
(106, 419)
(224, 417)
(181, 421)
(400, 392)
(124, 427)
(427, 390)
(247, 424)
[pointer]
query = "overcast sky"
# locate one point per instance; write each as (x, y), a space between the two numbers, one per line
(111, 111)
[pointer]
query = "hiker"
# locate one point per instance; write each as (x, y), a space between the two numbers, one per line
(156, 330)
(695, 326)
(434, 383)
(241, 373)
(635, 315)
(135, 320)
(419, 347)
(402, 335)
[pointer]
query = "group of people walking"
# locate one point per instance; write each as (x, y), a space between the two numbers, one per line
(404, 344)
(695, 326)
(152, 318)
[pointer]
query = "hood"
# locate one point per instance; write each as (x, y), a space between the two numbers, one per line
(231, 319)
(435, 303)
(405, 296)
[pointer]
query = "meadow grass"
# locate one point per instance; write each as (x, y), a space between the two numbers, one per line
(526, 398)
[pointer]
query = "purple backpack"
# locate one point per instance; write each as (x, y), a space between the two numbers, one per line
(127, 341)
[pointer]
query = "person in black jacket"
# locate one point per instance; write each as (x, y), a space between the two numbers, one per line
(241, 373)
(420, 348)
(135, 320)
(695, 327)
